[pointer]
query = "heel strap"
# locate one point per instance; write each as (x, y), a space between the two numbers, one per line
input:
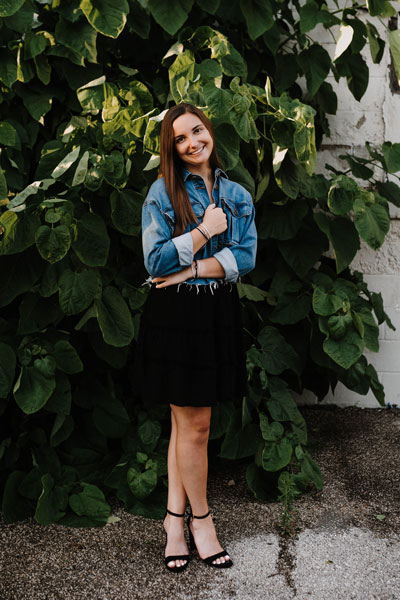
(174, 514)
(202, 516)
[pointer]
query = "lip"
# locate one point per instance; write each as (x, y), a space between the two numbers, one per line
(197, 151)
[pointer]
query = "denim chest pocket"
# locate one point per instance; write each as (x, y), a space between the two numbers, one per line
(235, 214)
(169, 215)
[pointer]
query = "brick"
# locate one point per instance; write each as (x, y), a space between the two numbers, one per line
(393, 313)
(391, 383)
(388, 357)
(388, 285)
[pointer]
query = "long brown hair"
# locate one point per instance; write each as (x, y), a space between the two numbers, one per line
(171, 164)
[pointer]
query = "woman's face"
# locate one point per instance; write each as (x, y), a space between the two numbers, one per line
(193, 141)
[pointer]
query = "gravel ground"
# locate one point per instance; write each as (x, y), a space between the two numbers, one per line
(339, 548)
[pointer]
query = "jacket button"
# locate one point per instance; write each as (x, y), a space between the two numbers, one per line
(235, 212)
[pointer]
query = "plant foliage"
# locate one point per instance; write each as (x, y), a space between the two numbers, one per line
(83, 89)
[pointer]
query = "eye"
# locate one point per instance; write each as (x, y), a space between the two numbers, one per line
(179, 139)
(197, 129)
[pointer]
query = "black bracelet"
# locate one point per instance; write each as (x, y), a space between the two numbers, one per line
(202, 232)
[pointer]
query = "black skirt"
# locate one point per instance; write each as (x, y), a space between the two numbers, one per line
(190, 347)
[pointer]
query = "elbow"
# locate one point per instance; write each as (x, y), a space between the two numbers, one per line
(247, 264)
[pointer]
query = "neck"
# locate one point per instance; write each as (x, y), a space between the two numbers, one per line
(205, 171)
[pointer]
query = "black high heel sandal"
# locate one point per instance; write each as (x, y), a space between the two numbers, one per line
(209, 559)
(168, 559)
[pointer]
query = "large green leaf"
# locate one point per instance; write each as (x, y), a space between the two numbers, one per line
(170, 15)
(303, 251)
(114, 318)
(67, 358)
(9, 135)
(7, 369)
(19, 231)
(8, 68)
(309, 467)
(345, 351)
(391, 152)
(371, 219)
(78, 289)
(140, 483)
(277, 354)
(390, 191)
(394, 44)
(15, 507)
(228, 146)
(33, 388)
(258, 15)
(21, 273)
(311, 14)
(22, 20)
(9, 7)
(343, 237)
(126, 210)
(92, 243)
(79, 37)
(52, 502)
(181, 70)
(111, 418)
(316, 63)
(219, 101)
(341, 194)
(240, 442)
(282, 222)
(106, 16)
(90, 502)
(276, 455)
(53, 243)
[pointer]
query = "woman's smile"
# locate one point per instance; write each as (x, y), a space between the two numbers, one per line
(193, 141)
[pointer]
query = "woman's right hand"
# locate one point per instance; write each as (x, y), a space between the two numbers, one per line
(215, 219)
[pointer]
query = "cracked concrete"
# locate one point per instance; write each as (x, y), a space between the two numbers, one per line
(345, 545)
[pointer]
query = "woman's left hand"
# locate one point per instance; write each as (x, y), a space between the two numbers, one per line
(173, 278)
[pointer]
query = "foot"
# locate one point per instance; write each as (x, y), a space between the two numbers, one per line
(176, 543)
(206, 539)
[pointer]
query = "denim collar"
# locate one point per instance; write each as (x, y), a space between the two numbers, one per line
(218, 173)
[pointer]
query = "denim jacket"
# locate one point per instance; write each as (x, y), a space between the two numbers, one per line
(235, 249)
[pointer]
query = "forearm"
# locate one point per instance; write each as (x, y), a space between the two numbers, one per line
(198, 240)
(210, 268)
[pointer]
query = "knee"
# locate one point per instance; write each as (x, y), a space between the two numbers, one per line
(197, 432)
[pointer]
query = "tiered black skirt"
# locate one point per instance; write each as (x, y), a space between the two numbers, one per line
(190, 346)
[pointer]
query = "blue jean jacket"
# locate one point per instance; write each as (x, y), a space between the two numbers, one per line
(235, 249)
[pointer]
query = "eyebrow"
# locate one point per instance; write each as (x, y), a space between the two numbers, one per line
(193, 128)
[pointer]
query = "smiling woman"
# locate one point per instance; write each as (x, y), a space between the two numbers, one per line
(198, 238)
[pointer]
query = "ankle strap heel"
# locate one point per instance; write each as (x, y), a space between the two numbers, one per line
(209, 560)
(174, 514)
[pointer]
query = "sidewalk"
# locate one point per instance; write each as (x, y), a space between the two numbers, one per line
(340, 549)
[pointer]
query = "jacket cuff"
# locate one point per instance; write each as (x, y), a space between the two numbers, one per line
(226, 258)
(184, 246)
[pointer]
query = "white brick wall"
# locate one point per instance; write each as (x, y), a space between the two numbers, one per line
(376, 118)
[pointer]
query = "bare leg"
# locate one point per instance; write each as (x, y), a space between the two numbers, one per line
(193, 428)
(176, 543)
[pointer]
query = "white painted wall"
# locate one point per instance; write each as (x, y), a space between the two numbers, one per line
(376, 118)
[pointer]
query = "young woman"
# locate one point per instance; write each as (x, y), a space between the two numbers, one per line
(198, 238)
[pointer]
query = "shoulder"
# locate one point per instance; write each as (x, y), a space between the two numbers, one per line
(157, 194)
(236, 191)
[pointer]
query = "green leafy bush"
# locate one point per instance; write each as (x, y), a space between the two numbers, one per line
(83, 90)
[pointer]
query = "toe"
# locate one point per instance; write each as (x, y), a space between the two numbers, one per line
(171, 563)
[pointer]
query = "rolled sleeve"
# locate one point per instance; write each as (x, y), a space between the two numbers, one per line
(184, 247)
(227, 260)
